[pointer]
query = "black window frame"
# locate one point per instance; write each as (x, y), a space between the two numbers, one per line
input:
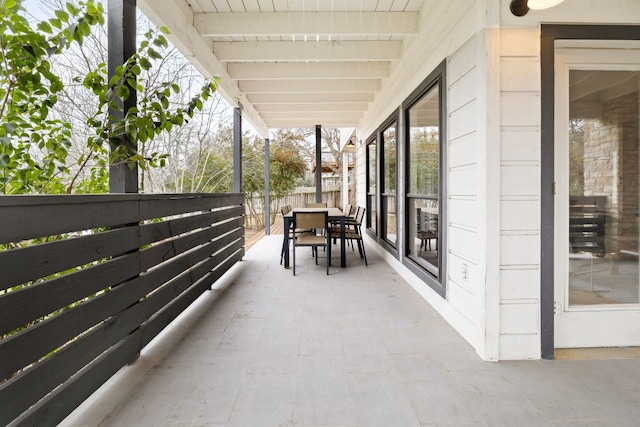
(436, 78)
(390, 122)
(371, 220)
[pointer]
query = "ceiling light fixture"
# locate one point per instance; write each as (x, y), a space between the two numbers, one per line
(521, 7)
(350, 146)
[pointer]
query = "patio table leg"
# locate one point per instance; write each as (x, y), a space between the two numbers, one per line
(285, 245)
(343, 253)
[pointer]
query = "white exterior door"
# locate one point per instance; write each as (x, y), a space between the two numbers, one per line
(597, 202)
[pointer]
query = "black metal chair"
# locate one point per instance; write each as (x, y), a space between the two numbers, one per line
(353, 232)
(284, 210)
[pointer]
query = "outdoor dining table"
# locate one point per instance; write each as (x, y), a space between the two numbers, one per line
(334, 215)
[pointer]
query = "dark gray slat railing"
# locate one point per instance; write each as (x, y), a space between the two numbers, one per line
(58, 404)
(38, 261)
(53, 215)
(87, 380)
(168, 248)
(162, 273)
(158, 322)
(29, 345)
(176, 204)
(32, 302)
(155, 232)
(215, 258)
(161, 252)
(35, 383)
(178, 284)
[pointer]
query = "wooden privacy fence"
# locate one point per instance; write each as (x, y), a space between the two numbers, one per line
(87, 281)
(302, 198)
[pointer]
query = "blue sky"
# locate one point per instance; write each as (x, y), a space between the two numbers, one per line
(34, 8)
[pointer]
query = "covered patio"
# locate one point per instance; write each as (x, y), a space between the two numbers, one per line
(358, 347)
(451, 104)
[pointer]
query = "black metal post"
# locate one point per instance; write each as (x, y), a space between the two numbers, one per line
(267, 188)
(121, 27)
(237, 150)
(318, 164)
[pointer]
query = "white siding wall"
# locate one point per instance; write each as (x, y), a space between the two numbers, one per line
(489, 92)
(465, 187)
(521, 161)
(520, 194)
(449, 29)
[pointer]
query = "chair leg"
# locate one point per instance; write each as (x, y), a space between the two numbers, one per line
(360, 248)
(328, 260)
(282, 251)
(294, 259)
(364, 253)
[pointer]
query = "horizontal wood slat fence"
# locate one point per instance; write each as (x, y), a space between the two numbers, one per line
(87, 281)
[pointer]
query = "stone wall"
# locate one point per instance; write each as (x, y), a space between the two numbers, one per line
(611, 168)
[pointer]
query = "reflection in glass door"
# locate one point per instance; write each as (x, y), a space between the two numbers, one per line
(603, 187)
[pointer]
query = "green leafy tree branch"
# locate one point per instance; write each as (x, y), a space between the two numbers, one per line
(34, 145)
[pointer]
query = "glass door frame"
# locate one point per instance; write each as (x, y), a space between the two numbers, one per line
(549, 34)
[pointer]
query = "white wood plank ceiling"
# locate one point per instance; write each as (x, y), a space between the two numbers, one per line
(292, 63)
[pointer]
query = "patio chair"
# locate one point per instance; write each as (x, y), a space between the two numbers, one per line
(285, 209)
(350, 221)
(354, 232)
(427, 230)
(306, 221)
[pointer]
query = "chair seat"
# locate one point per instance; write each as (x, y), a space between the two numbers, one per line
(426, 235)
(353, 231)
(316, 221)
(310, 239)
(351, 234)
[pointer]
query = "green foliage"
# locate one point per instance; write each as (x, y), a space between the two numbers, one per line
(424, 160)
(286, 167)
(153, 113)
(576, 157)
(211, 170)
(34, 146)
(28, 91)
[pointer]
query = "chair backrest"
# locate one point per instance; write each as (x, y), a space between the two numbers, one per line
(310, 220)
(285, 209)
(360, 215)
(347, 209)
(317, 205)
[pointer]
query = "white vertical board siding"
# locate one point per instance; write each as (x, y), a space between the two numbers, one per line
(520, 194)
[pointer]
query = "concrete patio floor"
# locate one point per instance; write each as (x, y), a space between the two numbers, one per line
(356, 348)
